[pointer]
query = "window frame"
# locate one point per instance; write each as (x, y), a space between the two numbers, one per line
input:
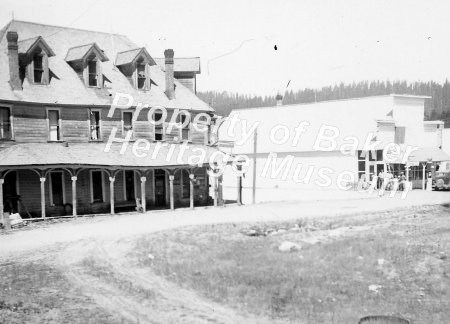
(160, 126)
(41, 70)
(136, 75)
(60, 133)
(51, 187)
(11, 124)
(91, 186)
(124, 133)
(188, 127)
(88, 73)
(100, 137)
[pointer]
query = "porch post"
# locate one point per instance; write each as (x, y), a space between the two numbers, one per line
(220, 190)
(74, 196)
(111, 193)
(143, 199)
(191, 191)
(214, 182)
(172, 203)
(239, 190)
(423, 175)
(5, 220)
(42, 179)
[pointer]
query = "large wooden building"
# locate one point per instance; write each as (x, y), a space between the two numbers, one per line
(57, 86)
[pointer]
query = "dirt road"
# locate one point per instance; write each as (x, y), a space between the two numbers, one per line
(91, 252)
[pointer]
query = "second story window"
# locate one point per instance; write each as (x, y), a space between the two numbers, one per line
(54, 125)
(159, 128)
(5, 123)
(185, 127)
(127, 122)
(38, 68)
(94, 125)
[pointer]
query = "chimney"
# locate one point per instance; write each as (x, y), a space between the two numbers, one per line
(170, 86)
(279, 99)
(13, 56)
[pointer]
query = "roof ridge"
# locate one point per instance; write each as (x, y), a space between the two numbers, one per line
(64, 27)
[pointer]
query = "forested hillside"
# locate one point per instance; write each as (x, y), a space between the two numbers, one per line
(438, 107)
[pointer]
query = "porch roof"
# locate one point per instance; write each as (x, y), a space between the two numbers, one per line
(425, 153)
(93, 154)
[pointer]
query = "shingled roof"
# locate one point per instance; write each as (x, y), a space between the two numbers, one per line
(69, 89)
(92, 154)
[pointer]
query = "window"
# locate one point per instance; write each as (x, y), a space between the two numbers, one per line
(38, 68)
(399, 135)
(57, 192)
(5, 123)
(94, 125)
(97, 186)
(141, 75)
(54, 125)
(92, 73)
(158, 128)
(361, 164)
(185, 127)
(186, 185)
(127, 121)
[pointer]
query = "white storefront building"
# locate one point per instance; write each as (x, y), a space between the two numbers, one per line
(320, 149)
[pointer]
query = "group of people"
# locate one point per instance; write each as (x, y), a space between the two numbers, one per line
(387, 180)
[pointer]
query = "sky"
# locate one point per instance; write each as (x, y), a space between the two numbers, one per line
(318, 43)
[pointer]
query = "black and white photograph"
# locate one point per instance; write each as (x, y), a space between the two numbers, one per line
(212, 161)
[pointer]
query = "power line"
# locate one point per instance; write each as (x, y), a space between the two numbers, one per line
(76, 19)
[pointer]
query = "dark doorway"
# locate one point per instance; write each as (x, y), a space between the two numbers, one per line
(57, 188)
(160, 188)
(129, 185)
(10, 192)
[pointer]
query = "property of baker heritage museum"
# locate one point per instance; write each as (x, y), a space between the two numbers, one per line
(303, 150)
(56, 89)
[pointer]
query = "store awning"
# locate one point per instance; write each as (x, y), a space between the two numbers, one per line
(424, 154)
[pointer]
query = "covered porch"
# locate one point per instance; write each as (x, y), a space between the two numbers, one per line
(55, 179)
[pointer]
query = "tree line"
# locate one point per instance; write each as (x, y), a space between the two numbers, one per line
(438, 107)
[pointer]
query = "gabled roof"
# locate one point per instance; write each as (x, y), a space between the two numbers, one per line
(27, 46)
(182, 64)
(93, 154)
(80, 53)
(69, 89)
(129, 57)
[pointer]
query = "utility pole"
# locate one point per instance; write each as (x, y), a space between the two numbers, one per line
(255, 142)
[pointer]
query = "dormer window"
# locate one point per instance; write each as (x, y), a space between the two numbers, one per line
(92, 72)
(86, 61)
(141, 74)
(38, 68)
(33, 60)
(134, 64)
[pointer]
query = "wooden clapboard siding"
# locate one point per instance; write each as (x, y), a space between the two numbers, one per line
(30, 125)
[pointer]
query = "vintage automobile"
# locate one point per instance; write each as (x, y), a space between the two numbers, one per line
(441, 179)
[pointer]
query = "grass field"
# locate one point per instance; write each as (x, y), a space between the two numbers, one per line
(403, 254)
